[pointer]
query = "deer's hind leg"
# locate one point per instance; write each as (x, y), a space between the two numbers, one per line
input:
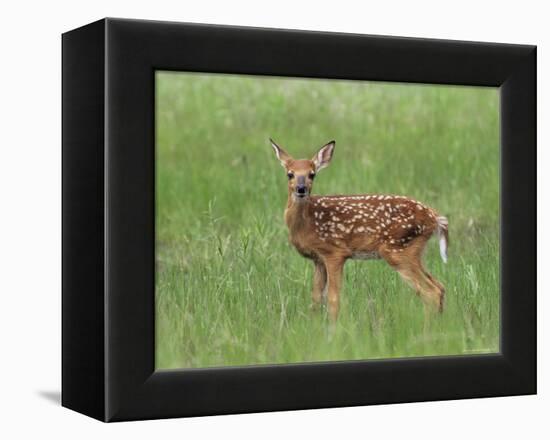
(418, 249)
(414, 275)
(440, 286)
(408, 263)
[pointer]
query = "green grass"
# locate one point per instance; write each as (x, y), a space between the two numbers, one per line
(230, 289)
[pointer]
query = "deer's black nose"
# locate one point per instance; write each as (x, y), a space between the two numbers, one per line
(301, 189)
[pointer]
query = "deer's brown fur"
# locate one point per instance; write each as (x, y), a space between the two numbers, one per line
(332, 229)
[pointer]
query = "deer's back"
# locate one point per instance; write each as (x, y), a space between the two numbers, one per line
(358, 225)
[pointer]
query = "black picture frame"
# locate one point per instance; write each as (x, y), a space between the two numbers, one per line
(109, 204)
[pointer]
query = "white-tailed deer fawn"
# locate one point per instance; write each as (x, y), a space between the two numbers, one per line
(332, 229)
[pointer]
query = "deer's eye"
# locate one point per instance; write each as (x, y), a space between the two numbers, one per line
(312, 175)
(290, 175)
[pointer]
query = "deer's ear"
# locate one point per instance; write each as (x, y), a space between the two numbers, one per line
(282, 155)
(323, 157)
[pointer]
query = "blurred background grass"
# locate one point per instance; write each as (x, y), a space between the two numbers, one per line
(230, 290)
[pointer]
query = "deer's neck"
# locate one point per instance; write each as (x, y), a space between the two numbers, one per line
(297, 214)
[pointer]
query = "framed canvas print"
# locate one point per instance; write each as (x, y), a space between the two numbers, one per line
(262, 219)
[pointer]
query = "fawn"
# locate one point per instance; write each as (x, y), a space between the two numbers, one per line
(332, 229)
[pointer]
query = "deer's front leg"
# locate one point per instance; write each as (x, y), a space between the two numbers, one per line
(334, 268)
(319, 284)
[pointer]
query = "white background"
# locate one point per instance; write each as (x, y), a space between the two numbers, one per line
(30, 189)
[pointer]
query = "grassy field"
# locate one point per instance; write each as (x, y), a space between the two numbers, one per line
(230, 289)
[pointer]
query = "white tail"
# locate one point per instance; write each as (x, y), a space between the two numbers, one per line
(443, 233)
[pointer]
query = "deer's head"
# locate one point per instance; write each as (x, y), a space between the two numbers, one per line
(301, 172)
